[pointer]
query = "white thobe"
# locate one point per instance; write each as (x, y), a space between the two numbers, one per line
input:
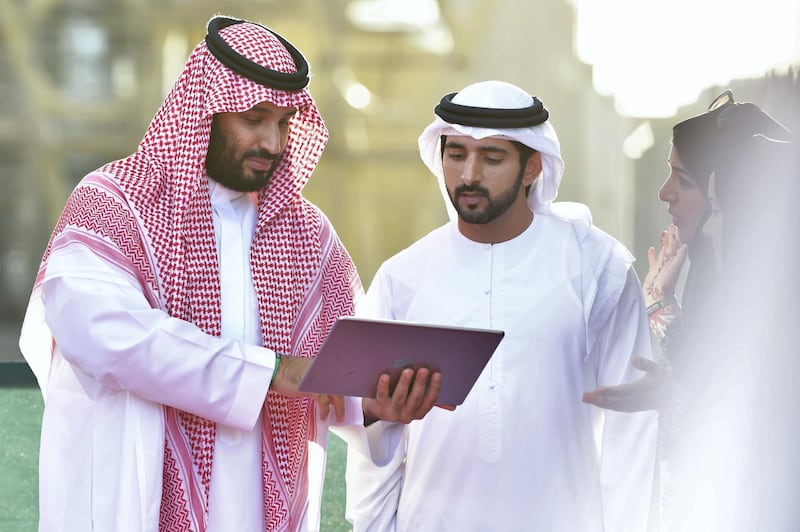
(523, 452)
(117, 360)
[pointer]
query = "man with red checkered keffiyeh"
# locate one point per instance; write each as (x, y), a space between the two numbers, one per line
(182, 295)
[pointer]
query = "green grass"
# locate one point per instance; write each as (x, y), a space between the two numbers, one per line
(333, 495)
(20, 419)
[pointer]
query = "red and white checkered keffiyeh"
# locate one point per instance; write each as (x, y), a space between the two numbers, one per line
(153, 209)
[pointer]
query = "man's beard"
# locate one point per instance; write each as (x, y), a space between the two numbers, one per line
(225, 168)
(496, 206)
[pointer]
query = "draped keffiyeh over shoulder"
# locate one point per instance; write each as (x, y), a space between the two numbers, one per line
(150, 213)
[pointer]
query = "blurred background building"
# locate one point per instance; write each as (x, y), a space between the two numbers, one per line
(80, 80)
(85, 76)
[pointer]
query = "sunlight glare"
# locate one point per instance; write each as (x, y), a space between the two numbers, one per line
(654, 56)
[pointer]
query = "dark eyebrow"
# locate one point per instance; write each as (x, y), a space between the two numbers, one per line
(267, 111)
(483, 149)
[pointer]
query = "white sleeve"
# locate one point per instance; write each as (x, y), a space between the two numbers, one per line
(106, 329)
(628, 447)
(373, 492)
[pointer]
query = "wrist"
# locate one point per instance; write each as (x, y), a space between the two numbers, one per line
(654, 294)
(289, 371)
(275, 370)
(366, 410)
(660, 304)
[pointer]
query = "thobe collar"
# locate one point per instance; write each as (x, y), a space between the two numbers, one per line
(520, 237)
(222, 193)
(520, 244)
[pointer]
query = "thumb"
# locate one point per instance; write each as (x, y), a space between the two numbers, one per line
(652, 258)
(649, 366)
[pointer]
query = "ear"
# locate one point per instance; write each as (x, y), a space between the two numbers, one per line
(532, 168)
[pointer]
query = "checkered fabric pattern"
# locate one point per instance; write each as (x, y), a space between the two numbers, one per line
(154, 209)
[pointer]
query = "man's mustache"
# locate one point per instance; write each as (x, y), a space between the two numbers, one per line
(262, 154)
(471, 189)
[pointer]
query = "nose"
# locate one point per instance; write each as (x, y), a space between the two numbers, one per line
(666, 193)
(270, 138)
(471, 173)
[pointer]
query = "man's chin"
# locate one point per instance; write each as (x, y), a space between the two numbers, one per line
(248, 182)
(253, 186)
(473, 217)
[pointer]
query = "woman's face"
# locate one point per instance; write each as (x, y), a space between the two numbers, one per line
(687, 203)
(713, 227)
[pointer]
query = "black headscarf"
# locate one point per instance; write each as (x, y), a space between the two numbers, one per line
(704, 142)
